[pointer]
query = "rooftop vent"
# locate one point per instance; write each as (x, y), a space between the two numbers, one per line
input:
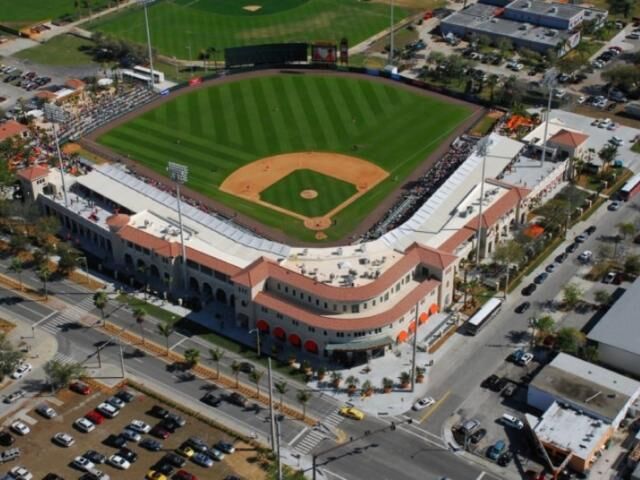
(553, 10)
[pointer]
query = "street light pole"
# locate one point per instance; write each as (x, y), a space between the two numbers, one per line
(257, 332)
(415, 348)
(55, 114)
(275, 447)
(146, 22)
(391, 34)
(180, 174)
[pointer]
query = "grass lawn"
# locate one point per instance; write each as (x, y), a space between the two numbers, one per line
(201, 24)
(221, 128)
(484, 125)
(286, 193)
(26, 12)
(636, 147)
(63, 50)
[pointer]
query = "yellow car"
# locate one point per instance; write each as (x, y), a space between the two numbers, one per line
(153, 475)
(351, 412)
(186, 451)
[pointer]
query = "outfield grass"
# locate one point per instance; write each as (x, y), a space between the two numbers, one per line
(17, 13)
(63, 50)
(286, 193)
(176, 25)
(218, 129)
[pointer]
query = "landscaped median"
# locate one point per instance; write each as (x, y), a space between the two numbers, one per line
(206, 373)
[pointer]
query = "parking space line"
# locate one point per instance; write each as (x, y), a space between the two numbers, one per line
(435, 407)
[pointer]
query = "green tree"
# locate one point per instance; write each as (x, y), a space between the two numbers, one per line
(62, 374)
(235, 368)
(624, 77)
(192, 357)
(336, 378)
(16, 267)
(17, 243)
(607, 155)
(572, 295)
(216, 355)
(602, 297)
(508, 253)
(492, 83)
(255, 376)
(166, 330)
(405, 378)
(570, 340)
(10, 357)
(352, 381)
(626, 229)
(545, 325)
(44, 273)
(100, 300)
(281, 388)
(138, 314)
(590, 354)
(303, 397)
(632, 265)
(45, 228)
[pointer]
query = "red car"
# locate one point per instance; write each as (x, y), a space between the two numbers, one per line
(95, 417)
(159, 432)
(80, 387)
(184, 475)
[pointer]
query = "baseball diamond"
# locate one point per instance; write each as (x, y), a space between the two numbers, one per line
(219, 129)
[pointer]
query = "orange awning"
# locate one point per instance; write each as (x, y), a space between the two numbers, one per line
(402, 336)
(279, 333)
(412, 327)
(295, 340)
(424, 316)
(262, 326)
(433, 309)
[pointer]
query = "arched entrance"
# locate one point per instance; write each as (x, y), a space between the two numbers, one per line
(128, 260)
(154, 272)
(221, 296)
(311, 346)
(280, 334)
(207, 291)
(141, 266)
(295, 340)
(263, 326)
(193, 285)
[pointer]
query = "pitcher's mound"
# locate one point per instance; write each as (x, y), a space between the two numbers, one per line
(252, 8)
(317, 223)
(309, 194)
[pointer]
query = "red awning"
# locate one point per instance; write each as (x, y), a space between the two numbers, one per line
(311, 346)
(279, 333)
(433, 309)
(295, 340)
(262, 326)
(402, 336)
(424, 316)
(412, 327)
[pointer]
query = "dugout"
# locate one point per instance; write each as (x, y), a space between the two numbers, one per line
(269, 54)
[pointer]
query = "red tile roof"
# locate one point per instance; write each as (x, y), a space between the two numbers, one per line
(75, 83)
(414, 255)
(212, 262)
(10, 129)
(347, 324)
(457, 238)
(118, 221)
(569, 138)
(33, 173)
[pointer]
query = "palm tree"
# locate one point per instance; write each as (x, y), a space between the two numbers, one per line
(216, 355)
(235, 368)
(255, 376)
(336, 378)
(352, 383)
(100, 300)
(166, 329)
(492, 82)
(608, 155)
(192, 357)
(626, 229)
(44, 274)
(61, 374)
(508, 253)
(16, 267)
(303, 397)
(138, 314)
(405, 378)
(281, 388)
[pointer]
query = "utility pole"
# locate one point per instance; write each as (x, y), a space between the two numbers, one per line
(483, 146)
(180, 174)
(257, 332)
(55, 114)
(549, 81)
(275, 445)
(415, 348)
(145, 3)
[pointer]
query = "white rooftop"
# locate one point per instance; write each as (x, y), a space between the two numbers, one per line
(571, 430)
(528, 172)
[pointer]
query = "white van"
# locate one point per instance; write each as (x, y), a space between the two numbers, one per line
(511, 421)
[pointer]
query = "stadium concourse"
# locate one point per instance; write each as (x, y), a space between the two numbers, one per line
(345, 302)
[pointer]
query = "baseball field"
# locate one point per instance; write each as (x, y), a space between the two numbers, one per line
(182, 28)
(308, 154)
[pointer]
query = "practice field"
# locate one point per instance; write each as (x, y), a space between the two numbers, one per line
(18, 13)
(185, 27)
(243, 139)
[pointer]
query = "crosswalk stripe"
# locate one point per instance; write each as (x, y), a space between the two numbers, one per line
(312, 439)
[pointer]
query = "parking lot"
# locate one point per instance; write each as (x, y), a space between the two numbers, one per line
(41, 455)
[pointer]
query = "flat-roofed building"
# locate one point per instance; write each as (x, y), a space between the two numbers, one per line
(561, 16)
(617, 334)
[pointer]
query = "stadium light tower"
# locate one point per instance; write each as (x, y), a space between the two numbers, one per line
(548, 81)
(180, 174)
(55, 114)
(391, 34)
(145, 4)
(481, 149)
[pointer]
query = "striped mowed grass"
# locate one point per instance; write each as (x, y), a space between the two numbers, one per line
(177, 25)
(218, 129)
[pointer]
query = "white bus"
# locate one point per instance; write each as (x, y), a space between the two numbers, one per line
(482, 316)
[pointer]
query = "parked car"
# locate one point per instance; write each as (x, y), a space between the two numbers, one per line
(139, 426)
(510, 390)
(496, 450)
(211, 399)
(63, 439)
(523, 307)
(118, 462)
(82, 463)
(116, 402)
(20, 428)
(512, 421)
(151, 444)
(20, 473)
(160, 432)
(177, 419)
(158, 412)
(586, 256)
(21, 371)
(116, 441)
(95, 457)
(80, 387)
(129, 455)
(478, 435)
(572, 247)
(529, 289)
(489, 381)
(613, 206)
(591, 230)
(131, 435)
(95, 417)
(505, 459)
(46, 411)
(525, 359)
(174, 459)
(423, 403)
(203, 460)
(14, 396)
(107, 410)
(609, 277)
(225, 447)
(84, 425)
(6, 439)
(125, 396)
